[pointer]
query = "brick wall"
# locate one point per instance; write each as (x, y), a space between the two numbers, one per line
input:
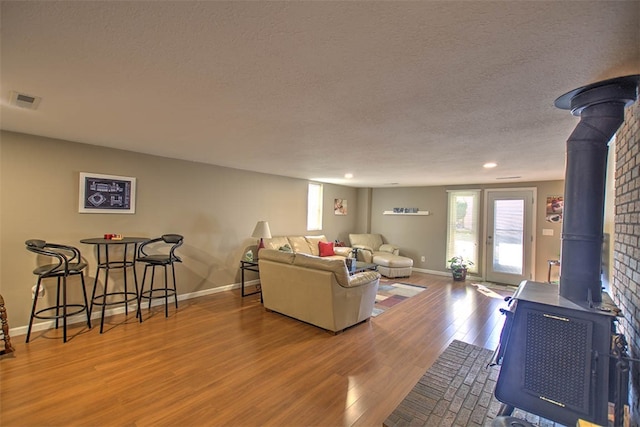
(626, 272)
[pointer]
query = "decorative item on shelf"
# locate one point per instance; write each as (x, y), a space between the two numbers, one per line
(261, 231)
(248, 256)
(338, 244)
(407, 211)
(458, 266)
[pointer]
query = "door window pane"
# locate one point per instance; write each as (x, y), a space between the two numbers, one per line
(508, 236)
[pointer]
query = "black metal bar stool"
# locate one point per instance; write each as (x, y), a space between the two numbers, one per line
(160, 252)
(67, 261)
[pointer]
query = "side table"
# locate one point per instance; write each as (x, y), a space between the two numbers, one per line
(249, 266)
(552, 263)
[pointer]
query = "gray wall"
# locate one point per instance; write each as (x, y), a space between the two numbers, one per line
(215, 208)
(427, 235)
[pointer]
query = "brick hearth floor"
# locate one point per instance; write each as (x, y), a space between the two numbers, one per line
(456, 391)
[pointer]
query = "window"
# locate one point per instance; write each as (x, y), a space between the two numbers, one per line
(314, 207)
(462, 227)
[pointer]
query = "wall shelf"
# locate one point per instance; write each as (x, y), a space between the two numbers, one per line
(419, 213)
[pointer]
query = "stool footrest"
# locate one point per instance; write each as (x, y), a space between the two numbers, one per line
(164, 293)
(79, 308)
(134, 297)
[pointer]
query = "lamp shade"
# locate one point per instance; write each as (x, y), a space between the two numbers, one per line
(262, 230)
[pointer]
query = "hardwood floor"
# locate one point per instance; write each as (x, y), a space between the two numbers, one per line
(224, 360)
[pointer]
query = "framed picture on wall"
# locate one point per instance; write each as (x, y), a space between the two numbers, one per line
(340, 206)
(555, 208)
(107, 194)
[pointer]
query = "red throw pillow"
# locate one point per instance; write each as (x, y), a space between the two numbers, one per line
(326, 248)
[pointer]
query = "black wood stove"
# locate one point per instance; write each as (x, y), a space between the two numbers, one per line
(561, 356)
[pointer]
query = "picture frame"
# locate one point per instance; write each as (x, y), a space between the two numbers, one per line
(112, 194)
(340, 206)
(555, 208)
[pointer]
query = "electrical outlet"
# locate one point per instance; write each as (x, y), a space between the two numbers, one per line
(40, 293)
(422, 259)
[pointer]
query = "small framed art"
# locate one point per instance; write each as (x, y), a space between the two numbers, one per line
(107, 194)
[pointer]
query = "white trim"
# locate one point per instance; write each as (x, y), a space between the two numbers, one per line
(40, 326)
(445, 273)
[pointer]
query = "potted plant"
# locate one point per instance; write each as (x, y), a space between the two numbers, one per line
(458, 267)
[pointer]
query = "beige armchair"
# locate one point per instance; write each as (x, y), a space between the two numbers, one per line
(372, 249)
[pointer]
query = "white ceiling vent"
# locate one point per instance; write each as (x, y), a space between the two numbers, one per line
(23, 100)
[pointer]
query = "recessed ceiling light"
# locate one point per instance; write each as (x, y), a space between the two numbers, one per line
(489, 165)
(348, 175)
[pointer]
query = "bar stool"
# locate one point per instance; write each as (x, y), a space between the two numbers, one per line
(67, 261)
(153, 253)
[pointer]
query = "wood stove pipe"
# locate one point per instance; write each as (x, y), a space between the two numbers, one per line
(601, 109)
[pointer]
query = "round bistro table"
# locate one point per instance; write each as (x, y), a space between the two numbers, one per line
(107, 264)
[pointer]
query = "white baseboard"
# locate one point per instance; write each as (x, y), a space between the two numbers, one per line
(435, 272)
(444, 273)
(79, 318)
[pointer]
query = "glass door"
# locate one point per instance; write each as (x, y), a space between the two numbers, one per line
(509, 244)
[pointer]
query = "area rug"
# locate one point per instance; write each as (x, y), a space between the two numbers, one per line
(456, 390)
(390, 294)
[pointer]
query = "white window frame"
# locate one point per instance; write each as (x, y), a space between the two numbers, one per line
(314, 207)
(464, 241)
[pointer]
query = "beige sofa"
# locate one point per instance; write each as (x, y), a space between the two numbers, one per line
(316, 290)
(372, 249)
(305, 245)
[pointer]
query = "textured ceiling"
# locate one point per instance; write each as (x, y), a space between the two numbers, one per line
(413, 93)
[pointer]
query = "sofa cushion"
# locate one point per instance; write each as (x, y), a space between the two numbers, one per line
(275, 242)
(326, 249)
(300, 245)
(313, 243)
(342, 251)
(389, 260)
(336, 266)
(369, 241)
(392, 249)
(279, 256)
